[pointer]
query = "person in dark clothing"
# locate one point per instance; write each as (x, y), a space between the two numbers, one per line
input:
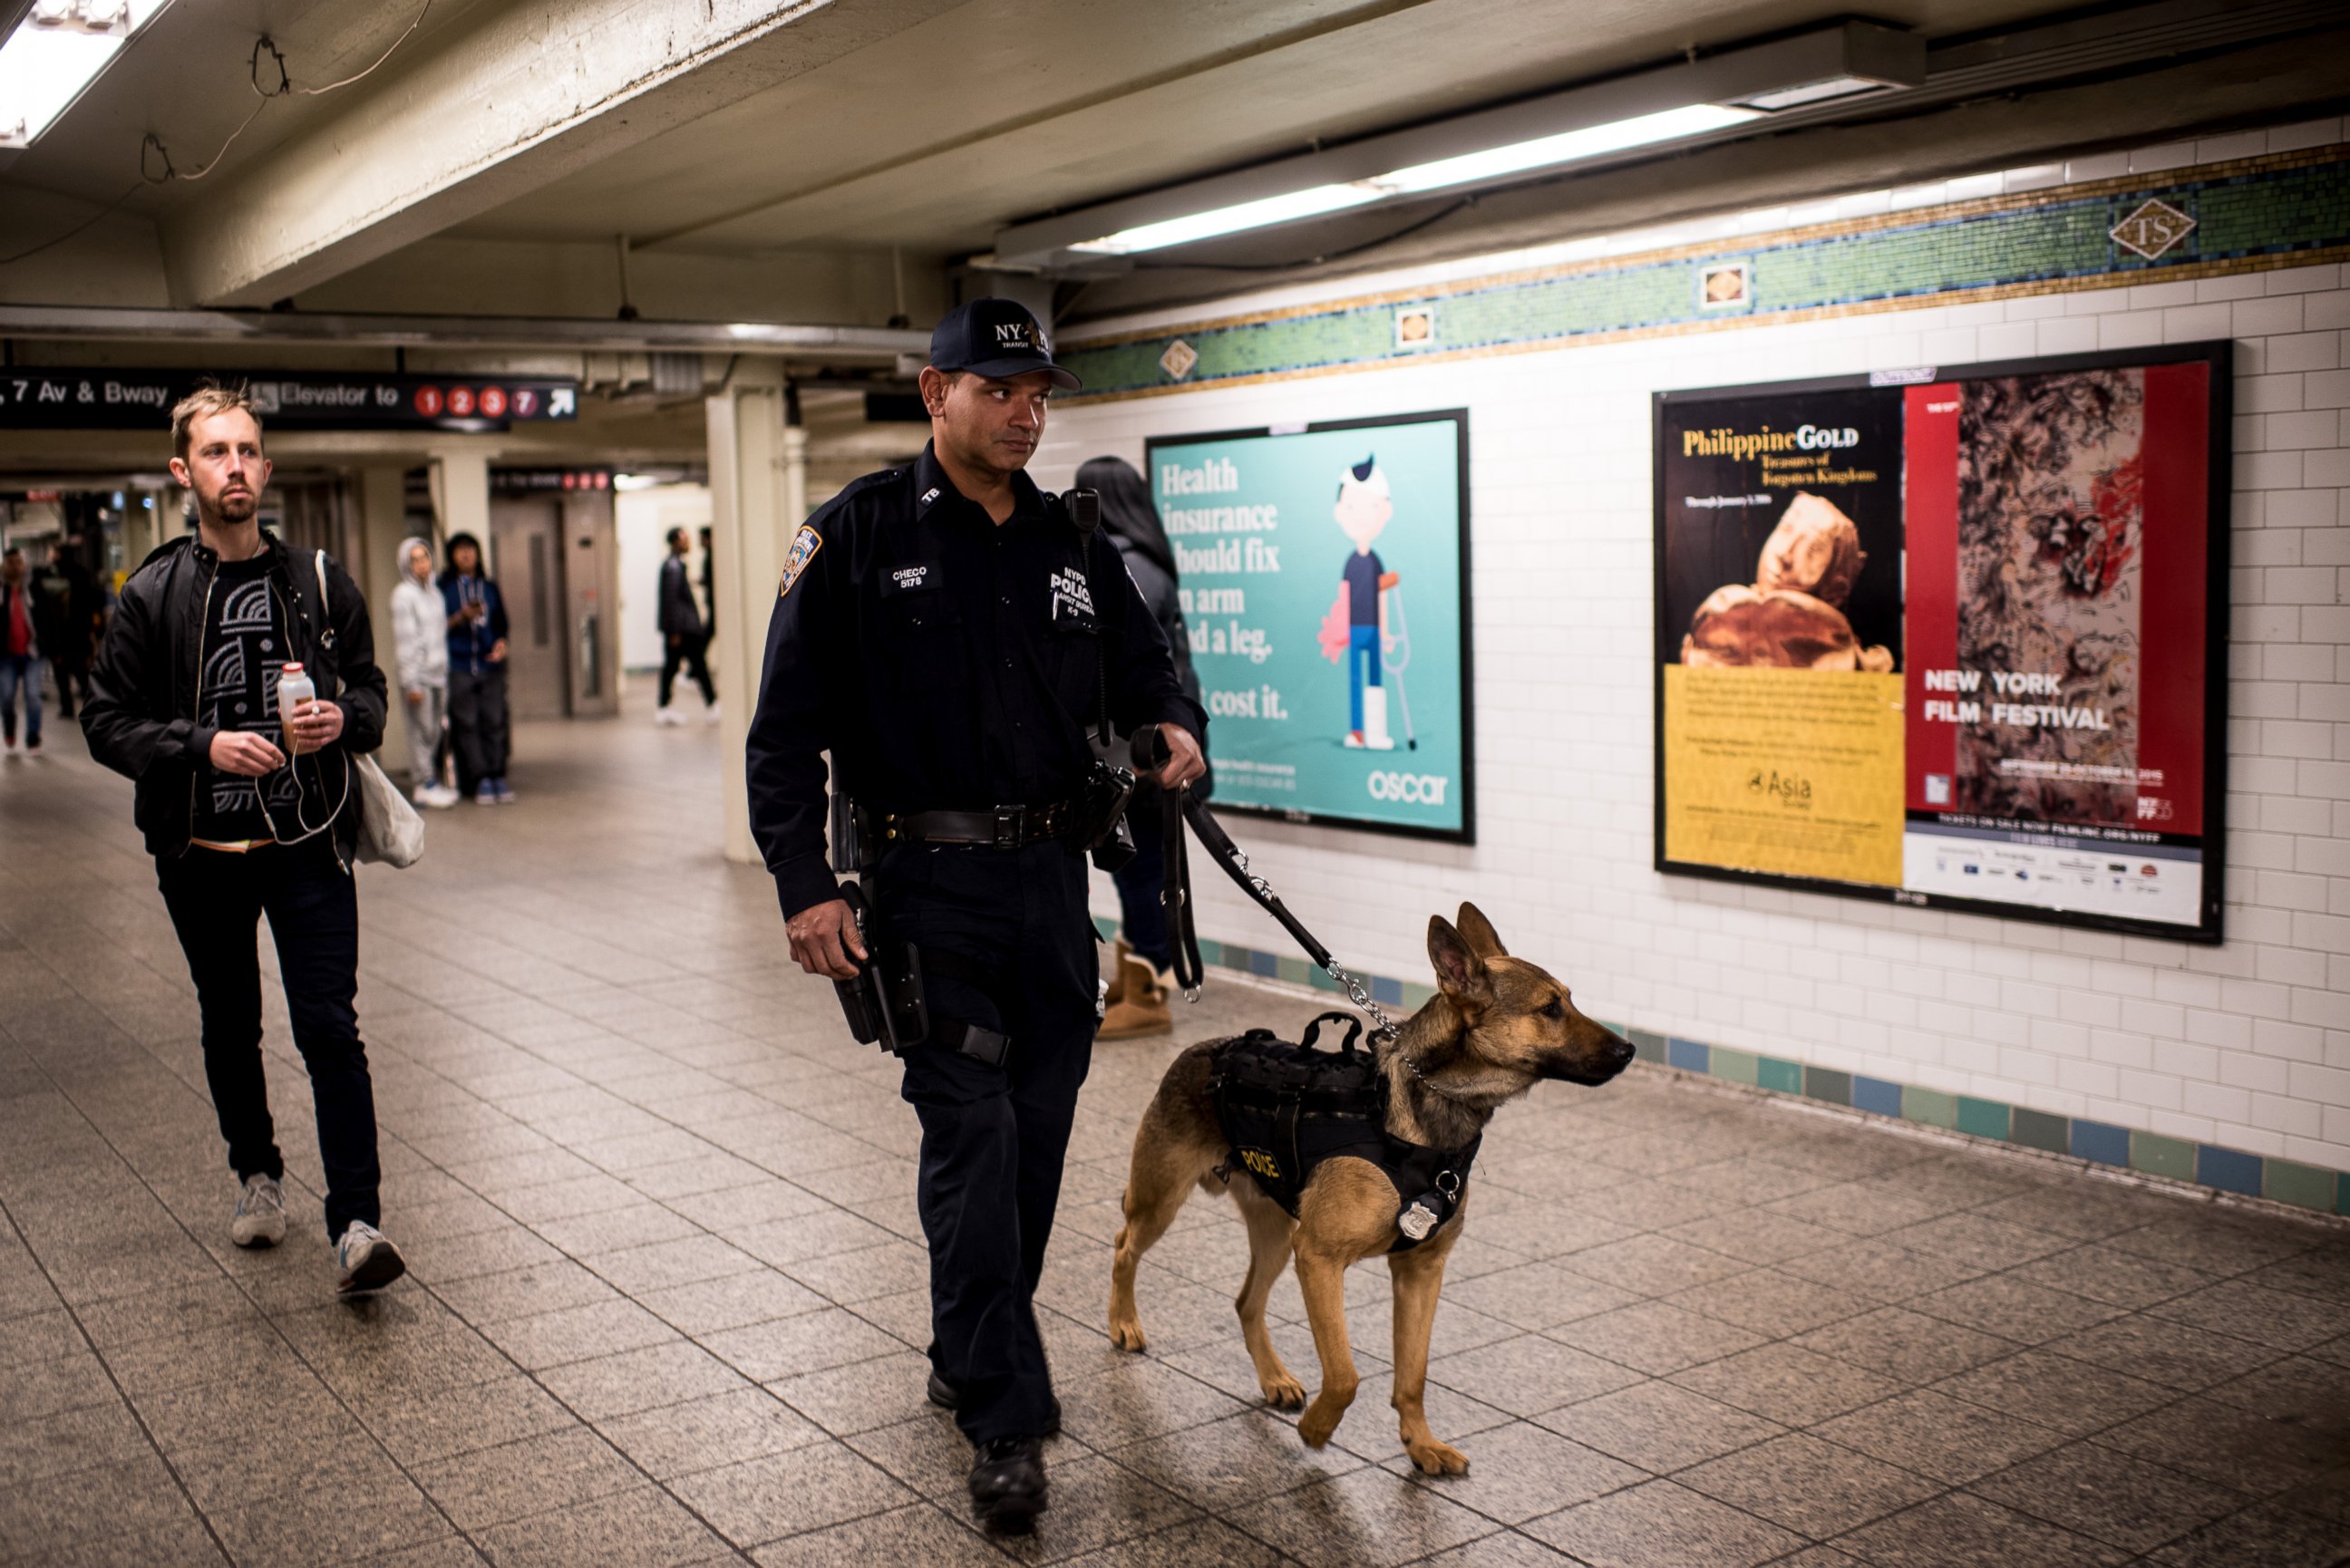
(67, 604)
(251, 807)
(684, 640)
(20, 651)
(478, 727)
(1137, 1004)
(946, 634)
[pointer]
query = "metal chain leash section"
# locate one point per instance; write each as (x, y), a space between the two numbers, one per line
(1236, 862)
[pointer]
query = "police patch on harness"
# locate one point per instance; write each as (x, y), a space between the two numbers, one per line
(1073, 597)
(805, 544)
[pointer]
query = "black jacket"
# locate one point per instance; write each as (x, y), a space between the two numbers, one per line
(944, 662)
(678, 614)
(141, 716)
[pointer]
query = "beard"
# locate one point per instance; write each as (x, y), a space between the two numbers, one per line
(238, 507)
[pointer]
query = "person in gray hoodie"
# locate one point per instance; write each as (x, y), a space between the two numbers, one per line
(420, 644)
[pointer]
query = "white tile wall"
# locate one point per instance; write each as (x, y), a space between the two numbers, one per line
(2246, 1045)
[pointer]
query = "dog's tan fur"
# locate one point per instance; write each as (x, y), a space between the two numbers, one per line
(1495, 1027)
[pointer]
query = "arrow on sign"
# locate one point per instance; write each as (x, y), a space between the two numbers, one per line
(561, 401)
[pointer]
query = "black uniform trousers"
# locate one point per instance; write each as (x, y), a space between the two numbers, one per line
(993, 1138)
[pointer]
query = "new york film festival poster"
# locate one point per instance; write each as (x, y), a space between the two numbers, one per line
(1950, 637)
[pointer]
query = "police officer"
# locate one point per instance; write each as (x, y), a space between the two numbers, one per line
(949, 635)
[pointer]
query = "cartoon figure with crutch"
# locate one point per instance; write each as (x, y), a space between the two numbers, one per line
(1361, 627)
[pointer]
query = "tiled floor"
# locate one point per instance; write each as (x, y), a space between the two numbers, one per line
(668, 1296)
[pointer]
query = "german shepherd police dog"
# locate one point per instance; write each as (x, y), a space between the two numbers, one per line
(1496, 1027)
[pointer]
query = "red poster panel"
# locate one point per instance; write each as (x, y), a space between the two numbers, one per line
(1931, 593)
(2170, 738)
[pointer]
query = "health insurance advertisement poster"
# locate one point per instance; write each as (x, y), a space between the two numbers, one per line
(1323, 573)
(1951, 636)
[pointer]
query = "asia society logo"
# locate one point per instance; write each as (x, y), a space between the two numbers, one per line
(1415, 789)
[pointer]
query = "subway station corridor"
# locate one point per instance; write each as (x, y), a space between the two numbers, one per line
(666, 1304)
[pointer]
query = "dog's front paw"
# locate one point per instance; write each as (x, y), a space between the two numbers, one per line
(1126, 1333)
(1436, 1458)
(1316, 1425)
(1284, 1393)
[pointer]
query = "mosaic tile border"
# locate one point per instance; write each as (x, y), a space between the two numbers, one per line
(2098, 1143)
(2253, 215)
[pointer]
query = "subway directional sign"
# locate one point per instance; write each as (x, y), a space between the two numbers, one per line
(49, 398)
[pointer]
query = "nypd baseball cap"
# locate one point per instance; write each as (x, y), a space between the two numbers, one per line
(997, 338)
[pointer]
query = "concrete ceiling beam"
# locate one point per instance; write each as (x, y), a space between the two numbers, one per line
(525, 94)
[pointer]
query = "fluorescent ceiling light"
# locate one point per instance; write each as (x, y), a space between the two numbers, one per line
(1518, 158)
(1311, 202)
(1813, 92)
(57, 50)
(1545, 151)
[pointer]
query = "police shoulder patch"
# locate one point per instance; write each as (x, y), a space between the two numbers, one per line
(805, 544)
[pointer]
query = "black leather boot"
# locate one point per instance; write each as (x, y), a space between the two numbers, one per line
(942, 1394)
(1007, 1484)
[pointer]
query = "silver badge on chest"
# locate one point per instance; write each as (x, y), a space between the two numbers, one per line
(1417, 1221)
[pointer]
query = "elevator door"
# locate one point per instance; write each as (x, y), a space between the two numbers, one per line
(527, 535)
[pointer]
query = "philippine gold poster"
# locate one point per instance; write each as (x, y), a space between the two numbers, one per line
(1795, 771)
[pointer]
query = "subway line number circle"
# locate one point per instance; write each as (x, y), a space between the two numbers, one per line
(1412, 789)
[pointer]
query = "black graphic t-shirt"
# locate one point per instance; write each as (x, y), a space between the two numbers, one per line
(244, 646)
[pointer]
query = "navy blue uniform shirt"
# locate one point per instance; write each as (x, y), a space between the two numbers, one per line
(946, 663)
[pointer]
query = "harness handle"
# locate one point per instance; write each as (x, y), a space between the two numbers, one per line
(1354, 1030)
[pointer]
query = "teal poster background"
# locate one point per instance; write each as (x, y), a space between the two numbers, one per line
(1266, 524)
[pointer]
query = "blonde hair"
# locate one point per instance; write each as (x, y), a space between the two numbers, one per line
(205, 402)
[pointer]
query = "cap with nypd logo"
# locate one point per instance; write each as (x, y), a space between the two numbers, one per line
(997, 338)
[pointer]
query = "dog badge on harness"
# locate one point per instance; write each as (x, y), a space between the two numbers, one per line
(1417, 1221)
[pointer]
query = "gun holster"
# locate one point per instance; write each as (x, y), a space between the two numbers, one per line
(885, 1003)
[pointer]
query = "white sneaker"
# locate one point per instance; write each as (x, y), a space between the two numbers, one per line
(440, 797)
(422, 795)
(710, 714)
(668, 716)
(260, 1213)
(367, 1260)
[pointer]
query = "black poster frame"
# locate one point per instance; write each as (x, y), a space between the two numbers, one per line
(1466, 834)
(2218, 355)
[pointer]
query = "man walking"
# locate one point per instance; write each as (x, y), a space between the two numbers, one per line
(249, 812)
(474, 613)
(67, 605)
(420, 640)
(684, 639)
(948, 634)
(20, 653)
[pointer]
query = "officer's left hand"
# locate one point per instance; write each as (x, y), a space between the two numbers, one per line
(1184, 762)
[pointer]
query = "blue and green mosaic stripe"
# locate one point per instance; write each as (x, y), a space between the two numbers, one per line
(2099, 1143)
(2256, 213)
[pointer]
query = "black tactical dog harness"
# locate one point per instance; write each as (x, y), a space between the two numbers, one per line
(1285, 1108)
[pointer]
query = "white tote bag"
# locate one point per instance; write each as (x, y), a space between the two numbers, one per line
(390, 830)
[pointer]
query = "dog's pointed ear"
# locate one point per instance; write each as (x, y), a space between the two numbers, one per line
(1459, 971)
(1479, 933)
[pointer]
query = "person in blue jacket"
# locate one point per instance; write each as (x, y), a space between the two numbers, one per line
(477, 673)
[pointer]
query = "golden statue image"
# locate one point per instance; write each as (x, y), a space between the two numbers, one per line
(1792, 617)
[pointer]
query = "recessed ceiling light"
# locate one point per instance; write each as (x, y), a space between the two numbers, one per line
(57, 50)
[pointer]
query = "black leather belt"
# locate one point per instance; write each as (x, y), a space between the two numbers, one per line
(1004, 827)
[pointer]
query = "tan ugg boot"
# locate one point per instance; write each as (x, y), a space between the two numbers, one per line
(1142, 1008)
(1114, 991)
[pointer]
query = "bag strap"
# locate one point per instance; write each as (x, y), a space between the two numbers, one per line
(325, 626)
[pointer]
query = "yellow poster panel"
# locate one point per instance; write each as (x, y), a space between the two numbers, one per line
(1796, 772)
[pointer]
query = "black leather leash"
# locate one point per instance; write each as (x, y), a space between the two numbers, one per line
(1175, 897)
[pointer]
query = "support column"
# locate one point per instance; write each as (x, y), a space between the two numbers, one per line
(461, 498)
(758, 497)
(383, 497)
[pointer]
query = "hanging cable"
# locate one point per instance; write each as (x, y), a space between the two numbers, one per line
(153, 144)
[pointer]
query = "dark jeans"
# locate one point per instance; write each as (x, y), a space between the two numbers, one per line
(993, 1138)
(691, 650)
(1141, 878)
(216, 900)
(477, 724)
(21, 672)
